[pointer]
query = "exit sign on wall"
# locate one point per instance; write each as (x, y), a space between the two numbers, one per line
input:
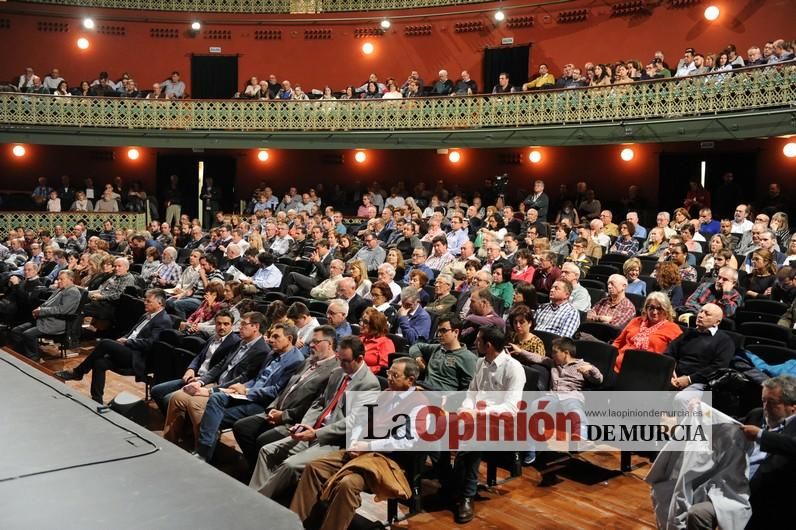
(215, 49)
(507, 40)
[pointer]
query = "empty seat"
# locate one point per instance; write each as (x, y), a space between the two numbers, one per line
(596, 295)
(589, 283)
(638, 301)
(547, 339)
(771, 307)
(772, 355)
(765, 329)
(743, 316)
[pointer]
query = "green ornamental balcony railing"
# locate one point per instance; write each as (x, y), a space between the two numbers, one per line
(728, 92)
(259, 6)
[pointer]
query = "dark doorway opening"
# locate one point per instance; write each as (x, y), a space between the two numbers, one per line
(221, 168)
(513, 60)
(214, 76)
(678, 169)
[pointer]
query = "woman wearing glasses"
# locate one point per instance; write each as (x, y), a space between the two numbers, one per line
(652, 331)
(373, 333)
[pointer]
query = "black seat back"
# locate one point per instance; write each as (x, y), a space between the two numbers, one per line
(643, 370)
(600, 330)
(772, 307)
(765, 329)
(600, 355)
(547, 339)
(772, 355)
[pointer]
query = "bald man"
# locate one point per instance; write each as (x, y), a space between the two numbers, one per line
(701, 351)
(615, 309)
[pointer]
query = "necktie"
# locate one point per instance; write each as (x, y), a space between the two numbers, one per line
(328, 410)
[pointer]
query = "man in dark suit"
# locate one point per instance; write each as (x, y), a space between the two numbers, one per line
(127, 352)
(298, 284)
(211, 201)
(292, 403)
(216, 349)
(323, 428)
(347, 290)
(538, 200)
(64, 301)
(699, 352)
(240, 365)
(772, 464)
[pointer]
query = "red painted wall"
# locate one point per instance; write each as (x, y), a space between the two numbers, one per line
(339, 62)
(599, 165)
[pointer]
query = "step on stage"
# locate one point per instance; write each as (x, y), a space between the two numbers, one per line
(64, 464)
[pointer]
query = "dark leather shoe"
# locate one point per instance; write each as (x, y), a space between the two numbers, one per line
(464, 511)
(68, 375)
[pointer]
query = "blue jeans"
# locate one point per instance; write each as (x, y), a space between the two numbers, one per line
(162, 392)
(182, 307)
(465, 473)
(564, 406)
(222, 410)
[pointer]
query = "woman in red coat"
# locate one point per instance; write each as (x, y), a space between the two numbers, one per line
(373, 333)
(652, 331)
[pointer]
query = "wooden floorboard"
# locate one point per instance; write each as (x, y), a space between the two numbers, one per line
(573, 502)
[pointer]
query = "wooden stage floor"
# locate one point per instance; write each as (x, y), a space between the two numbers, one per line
(582, 495)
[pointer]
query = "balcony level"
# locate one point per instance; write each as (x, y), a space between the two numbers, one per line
(747, 103)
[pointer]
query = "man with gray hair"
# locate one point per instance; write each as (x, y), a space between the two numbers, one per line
(64, 301)
(327, 288)
(662, 222)
(598, 235)
(580, 297)
(723, 292)
(443, 300)
(538, 200)
(386, 274)
(771, 462)
(632, 217)
(615, 309)
(336, 314)
(347, 290)
(609, 227)
(102, 302)
(127, 352)
(442, 86)
(414, 322)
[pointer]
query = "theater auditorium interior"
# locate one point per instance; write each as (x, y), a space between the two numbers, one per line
(221, 221)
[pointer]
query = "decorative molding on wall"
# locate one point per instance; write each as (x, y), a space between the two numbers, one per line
(52, 27)
(164, 33)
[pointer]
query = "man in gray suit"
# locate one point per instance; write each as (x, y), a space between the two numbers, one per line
(64, 301)
(322, 430)
(292, 403)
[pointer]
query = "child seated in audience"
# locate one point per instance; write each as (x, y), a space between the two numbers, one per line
(568, 375)
(54, 203)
